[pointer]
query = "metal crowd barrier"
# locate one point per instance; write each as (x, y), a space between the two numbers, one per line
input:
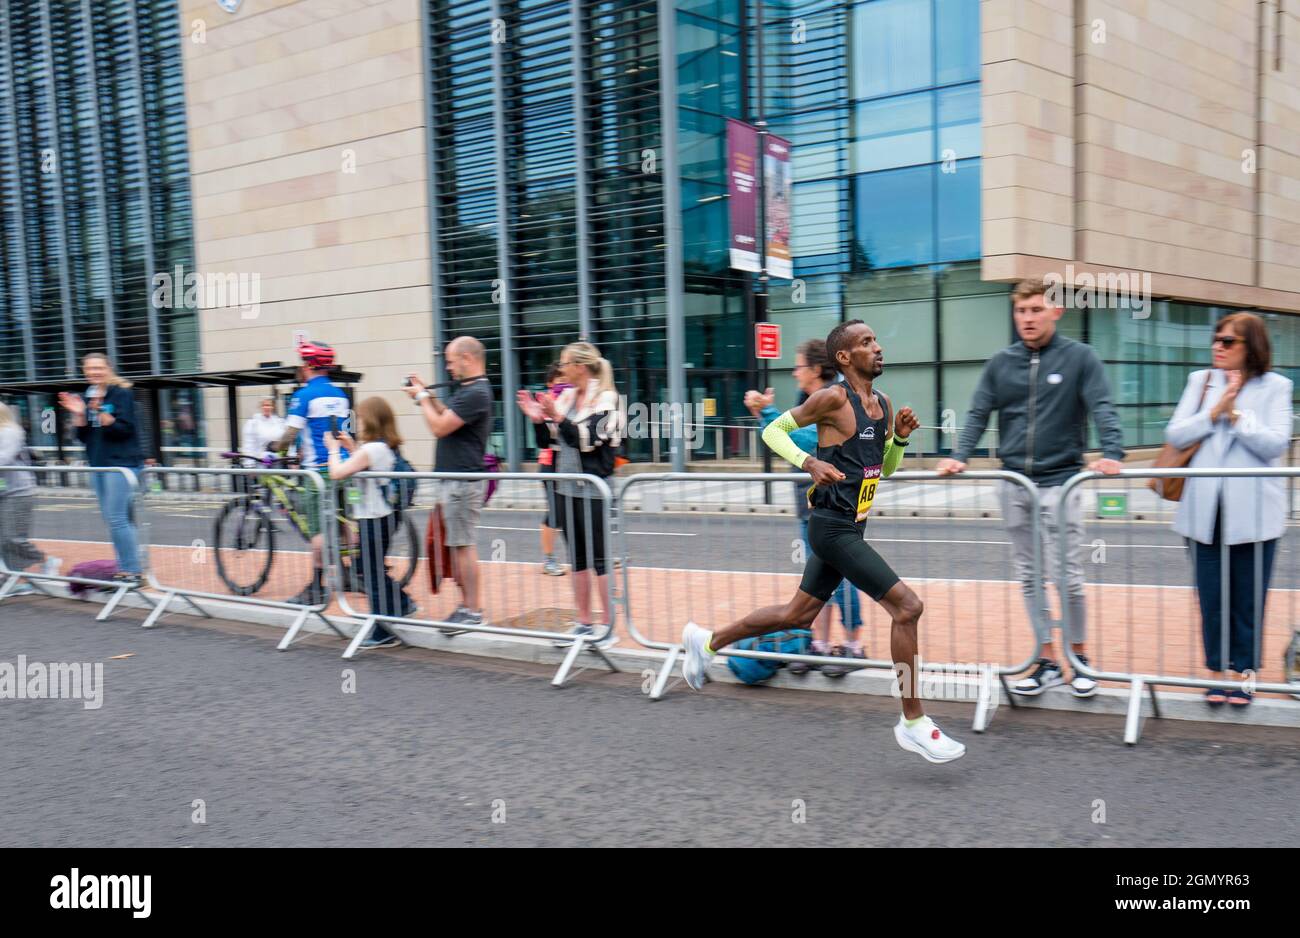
(705, 547)
(516, 598)
(64, 524)
(1143, 587)
(254, 549)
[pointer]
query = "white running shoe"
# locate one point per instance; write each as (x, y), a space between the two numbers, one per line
(695, 660)
(928, 741)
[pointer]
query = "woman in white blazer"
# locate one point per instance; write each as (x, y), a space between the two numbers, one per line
(1240, 413)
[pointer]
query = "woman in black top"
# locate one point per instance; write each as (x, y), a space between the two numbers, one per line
(587, 422)
(548, 446)
(105, 422)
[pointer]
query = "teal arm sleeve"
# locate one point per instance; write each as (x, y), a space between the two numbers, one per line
(777, 437)
(893, 456)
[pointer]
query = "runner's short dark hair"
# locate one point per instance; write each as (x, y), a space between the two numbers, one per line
(837, 341)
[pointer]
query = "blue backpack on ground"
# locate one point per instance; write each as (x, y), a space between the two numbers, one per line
(401, 492)
(758, 670)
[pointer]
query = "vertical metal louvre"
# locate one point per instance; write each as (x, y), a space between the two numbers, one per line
(94, 187)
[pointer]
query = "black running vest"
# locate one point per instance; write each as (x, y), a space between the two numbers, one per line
(860, 458)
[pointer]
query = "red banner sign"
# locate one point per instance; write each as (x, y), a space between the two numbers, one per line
(742, 190)
(776, 197)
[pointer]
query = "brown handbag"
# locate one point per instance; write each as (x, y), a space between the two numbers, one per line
(1170, 457)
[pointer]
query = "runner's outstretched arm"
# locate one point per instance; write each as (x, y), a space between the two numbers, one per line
(819, 405)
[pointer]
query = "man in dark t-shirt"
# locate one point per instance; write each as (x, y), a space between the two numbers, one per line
(461, 426)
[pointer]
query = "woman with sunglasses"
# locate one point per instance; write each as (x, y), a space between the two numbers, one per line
(1239, 412)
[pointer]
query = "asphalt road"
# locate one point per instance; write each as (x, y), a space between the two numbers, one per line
(1143, 552)
(431, 745)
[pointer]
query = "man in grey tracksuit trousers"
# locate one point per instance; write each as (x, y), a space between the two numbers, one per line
(1044, 387)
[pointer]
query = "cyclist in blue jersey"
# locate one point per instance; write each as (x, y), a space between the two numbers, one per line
(314, 409)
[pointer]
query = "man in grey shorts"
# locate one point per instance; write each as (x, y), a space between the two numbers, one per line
(461, 426)
(1043, 388)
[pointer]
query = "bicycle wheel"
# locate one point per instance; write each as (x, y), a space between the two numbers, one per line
(401, 560)
(244, 543)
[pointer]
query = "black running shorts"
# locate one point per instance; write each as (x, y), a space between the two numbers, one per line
(840, 553)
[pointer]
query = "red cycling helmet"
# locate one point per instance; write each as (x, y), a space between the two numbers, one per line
(316, 356)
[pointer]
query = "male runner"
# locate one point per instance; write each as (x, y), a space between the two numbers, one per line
(855, 449)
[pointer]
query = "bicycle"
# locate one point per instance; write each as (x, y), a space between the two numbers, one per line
(245, 540)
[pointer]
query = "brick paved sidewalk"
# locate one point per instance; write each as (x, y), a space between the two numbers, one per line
(1136, 629)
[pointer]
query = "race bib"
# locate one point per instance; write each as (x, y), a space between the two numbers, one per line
(867, 494)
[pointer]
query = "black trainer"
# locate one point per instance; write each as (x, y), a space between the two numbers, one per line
(1047, 674)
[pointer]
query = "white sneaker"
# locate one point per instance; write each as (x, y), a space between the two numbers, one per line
(695, 660)
(928, 741)
(52, 566)
(1083, 686)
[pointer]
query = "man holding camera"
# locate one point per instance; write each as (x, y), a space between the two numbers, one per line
(461, 426)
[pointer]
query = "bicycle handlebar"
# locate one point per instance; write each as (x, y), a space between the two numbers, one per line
(267, 461)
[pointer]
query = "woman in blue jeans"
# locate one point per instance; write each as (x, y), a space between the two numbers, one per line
(105, 423)
(812, 372)
(1239, 412)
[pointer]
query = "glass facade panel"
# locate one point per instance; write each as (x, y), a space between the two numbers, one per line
(974, 327)
(958, 123)
(905, 330)
(910, 386)
(893, 132)
(893, 47)
(959, 382)
(957, 229)
(893, 218)
(957, 41)
(94, 176)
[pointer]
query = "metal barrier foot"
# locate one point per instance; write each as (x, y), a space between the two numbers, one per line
(665, 672)
(294, 629)
(574, 650)
(1006, 692)
(334, 628)
(989, 698)
(9, 585)
(363, 633)
(112, 604)
(1133, 723)
(159, 609)
(196, 607)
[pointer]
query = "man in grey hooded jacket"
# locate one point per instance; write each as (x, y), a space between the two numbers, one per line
(1044, 387)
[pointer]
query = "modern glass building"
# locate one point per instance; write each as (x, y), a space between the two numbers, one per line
(94, 188)
(557, 129)
(881, 100)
